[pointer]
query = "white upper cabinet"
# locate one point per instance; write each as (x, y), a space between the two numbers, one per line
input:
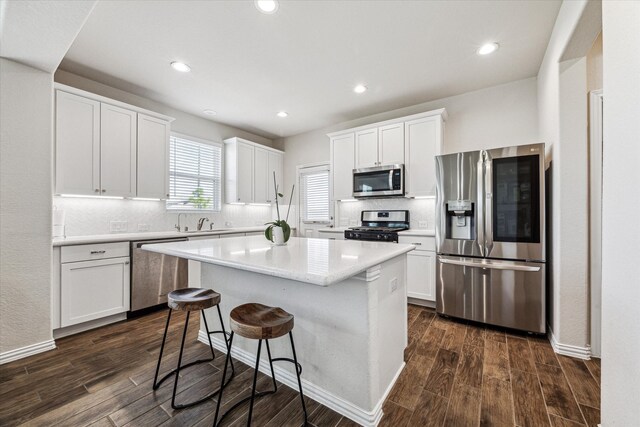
(261, 178)
(342, 165)
(117, 151)
(108, 148)
(413, 141)
(367, 148)
(77, 144)
(153, 157)
(249, 171)
(423, 141)
(276, 161)
(391, 144)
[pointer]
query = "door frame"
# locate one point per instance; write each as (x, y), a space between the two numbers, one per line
(595, 219)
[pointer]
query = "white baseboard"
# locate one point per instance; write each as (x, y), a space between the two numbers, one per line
(567, 349)
(85, 326)
(326, 398)
(30, 350)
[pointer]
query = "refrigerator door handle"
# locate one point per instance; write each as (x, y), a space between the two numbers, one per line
(480, 213)
(488, 264)
(488, 200)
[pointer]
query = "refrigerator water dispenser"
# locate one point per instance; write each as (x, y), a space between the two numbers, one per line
(460, 220)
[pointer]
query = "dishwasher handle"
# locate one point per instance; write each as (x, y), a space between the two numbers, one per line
(138, 245)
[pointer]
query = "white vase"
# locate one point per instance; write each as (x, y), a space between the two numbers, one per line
(278, 236)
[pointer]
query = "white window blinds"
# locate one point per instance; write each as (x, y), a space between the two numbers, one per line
(195, 175)
(315, 194)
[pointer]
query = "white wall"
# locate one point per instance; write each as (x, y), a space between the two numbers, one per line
(621, 196)
(497, 116)
(92, 216)
(564, 131)
(26, 111)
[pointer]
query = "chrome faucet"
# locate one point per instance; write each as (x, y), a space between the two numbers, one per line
(177, 226)
(201, 223)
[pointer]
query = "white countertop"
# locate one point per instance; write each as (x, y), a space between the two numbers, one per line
(320, 262)
(146, 235)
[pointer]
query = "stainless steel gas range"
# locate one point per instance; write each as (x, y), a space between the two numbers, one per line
(380, 226)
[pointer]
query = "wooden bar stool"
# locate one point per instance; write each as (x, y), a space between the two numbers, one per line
(192, 299)
(260, 322)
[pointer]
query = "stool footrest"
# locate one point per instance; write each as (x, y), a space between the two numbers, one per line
(172, 372)
(233, 408)
(286, 359)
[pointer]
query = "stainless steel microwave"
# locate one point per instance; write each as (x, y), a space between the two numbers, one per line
(379, 181)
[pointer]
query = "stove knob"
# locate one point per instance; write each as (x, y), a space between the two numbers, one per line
(386, 237)
(379, 236)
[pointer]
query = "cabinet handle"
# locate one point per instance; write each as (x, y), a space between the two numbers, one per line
(168, 195)
(238, 198)
(416, 243)
(97, 190)
(104, 191)
(98, 252)
(126, 262)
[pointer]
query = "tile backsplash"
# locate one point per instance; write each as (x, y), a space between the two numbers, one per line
(421, 211)
(85, 216)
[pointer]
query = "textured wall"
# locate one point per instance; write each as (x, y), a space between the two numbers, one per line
(621, 187)
(26, 105)
(92, 216)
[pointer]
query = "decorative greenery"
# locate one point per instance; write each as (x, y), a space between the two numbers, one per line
(282, 223)
(198, 200)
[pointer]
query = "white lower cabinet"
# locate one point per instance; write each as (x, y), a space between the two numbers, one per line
(421, 268)
(93, 289)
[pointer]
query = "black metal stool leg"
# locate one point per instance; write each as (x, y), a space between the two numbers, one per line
(224, 375)
(206, 328)
(298, 373)
(226, 339)
(156, 384)
(273, 374)
(175, 382)
(255, 380)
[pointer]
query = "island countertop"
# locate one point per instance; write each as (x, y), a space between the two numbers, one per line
(320, 262)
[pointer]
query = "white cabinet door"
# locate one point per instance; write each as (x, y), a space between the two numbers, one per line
(276, 161)
(153, 157)
(261, 176)
(117, 151)
(367, 148)
(342, 163)
(423, 141)
(391, 144)
(93, 289)
(245, 173)
(421, 271)
(77, 144)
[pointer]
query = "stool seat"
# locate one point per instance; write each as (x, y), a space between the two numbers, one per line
(260, 322)
(192, 299)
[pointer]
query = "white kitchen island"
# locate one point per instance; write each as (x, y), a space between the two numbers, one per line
(350, 306)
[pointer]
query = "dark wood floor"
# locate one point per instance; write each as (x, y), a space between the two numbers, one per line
(461, 374)
(456, 375)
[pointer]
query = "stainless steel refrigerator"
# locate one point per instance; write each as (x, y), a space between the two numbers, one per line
(490, 232)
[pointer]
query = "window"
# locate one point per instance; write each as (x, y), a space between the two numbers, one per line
(195, 174)
(314, 191)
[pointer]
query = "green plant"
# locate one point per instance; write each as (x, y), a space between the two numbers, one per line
(198, 200)
(282, 223)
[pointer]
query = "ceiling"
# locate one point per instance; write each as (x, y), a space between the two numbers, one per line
(306, 58)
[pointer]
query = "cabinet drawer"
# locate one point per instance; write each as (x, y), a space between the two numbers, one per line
(423, 243)
(96, 251)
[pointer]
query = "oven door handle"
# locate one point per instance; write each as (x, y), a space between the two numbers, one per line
(491, 265)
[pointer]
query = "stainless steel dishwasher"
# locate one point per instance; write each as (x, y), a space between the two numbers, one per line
(154, 275)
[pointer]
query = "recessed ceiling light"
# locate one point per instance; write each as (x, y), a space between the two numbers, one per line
(210, 112)
(180, 66)
(488, 48)
(282, 114)
(360, 89)
(267, 6)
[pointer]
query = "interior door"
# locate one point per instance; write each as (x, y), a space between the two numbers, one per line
(514, 224)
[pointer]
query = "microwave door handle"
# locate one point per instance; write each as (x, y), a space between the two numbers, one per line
(480, 208)
(488, 189)
(391, 180)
